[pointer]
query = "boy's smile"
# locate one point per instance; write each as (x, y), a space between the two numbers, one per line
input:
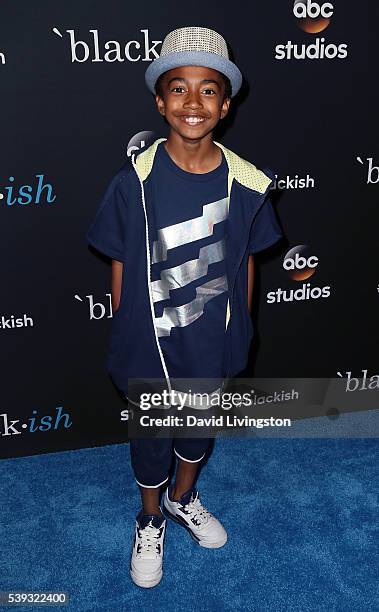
(192, 100)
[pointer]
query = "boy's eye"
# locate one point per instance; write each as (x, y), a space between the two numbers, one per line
(205, 90)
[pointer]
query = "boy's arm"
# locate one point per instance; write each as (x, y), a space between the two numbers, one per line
(250, 281)
(117, 267)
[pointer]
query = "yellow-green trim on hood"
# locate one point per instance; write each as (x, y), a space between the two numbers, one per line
(240, 169)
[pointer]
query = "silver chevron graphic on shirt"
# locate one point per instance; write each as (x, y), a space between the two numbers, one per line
(180, 316)
(179, 276)
(188, 231)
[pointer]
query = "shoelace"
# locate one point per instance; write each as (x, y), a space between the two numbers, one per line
(197, 511)
(148, 537)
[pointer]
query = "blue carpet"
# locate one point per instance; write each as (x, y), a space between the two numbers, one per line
(300, 514)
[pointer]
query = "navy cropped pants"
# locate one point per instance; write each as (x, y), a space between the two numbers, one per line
(151, 457)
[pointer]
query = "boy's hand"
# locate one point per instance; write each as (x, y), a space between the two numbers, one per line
(250, 281)
(117, 268)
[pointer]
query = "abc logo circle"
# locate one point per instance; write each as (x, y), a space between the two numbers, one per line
(300, 263)
(313, 17)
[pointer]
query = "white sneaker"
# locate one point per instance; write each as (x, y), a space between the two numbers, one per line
(147, 555)
(189, 512)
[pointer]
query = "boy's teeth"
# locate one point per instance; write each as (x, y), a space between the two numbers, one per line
(193, 119)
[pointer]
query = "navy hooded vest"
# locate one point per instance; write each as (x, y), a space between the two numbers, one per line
(120, 230)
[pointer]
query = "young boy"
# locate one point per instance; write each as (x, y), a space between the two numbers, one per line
(181, 222)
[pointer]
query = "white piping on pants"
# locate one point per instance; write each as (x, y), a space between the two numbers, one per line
(151, 486)
(189, 460)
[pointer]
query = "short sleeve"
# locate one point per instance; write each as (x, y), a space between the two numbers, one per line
(265, 229)
(107, 230)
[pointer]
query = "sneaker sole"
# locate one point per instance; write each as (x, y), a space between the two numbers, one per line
(183, 524)
(147, 583)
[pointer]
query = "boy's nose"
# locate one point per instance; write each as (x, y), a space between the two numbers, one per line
(192, 100)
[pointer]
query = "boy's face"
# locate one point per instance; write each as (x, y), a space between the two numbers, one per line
(193, 100)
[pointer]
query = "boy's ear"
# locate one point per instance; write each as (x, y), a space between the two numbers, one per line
(160, 104)
(225, 108)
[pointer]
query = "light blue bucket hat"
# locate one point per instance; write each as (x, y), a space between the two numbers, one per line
(194, 46)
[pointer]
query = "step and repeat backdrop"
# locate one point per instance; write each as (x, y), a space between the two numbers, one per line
(74, 105)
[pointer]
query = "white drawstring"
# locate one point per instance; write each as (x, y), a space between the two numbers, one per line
(149, 280)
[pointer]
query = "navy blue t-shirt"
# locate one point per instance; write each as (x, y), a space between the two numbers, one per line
(188, 268)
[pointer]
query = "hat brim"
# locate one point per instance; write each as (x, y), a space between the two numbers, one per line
(193, 58)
